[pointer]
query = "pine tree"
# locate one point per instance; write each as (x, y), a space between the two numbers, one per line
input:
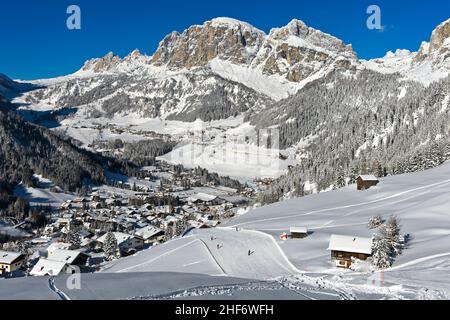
(381, 253)
(74, 239)
(110, 247)
(180, 226)
(375, 222)
(170, 232)
(391, 232)
(353, 174)
(340, 180)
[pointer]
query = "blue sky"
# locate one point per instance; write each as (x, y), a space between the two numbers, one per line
(35, 42)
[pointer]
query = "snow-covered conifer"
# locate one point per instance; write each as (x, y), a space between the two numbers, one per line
(110, 247)
(375, 222)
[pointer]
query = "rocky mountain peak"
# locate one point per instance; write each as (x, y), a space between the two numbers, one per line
(438, 49)
(106, 63)
(294, 51)
(297, 51)
(440, 37)
(225, 38)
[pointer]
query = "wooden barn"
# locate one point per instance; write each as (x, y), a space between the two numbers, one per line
(365, 182)
(344, 248)
(298, 232)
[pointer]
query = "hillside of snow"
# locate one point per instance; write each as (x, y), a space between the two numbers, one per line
(420, 200)
(248, 247)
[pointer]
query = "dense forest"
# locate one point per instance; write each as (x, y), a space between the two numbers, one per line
(27, 149)
(350, 125)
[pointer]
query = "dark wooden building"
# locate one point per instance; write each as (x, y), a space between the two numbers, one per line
(298, 232)
(364, 182)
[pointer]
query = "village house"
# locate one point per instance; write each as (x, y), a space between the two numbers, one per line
(11, 261)
(365, 182)
(128, 244)
(71, 257)
(57, 246)
(345, 248)
(150, 234)
(45, 267)
(60, 260)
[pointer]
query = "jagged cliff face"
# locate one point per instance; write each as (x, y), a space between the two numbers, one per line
(294, 51)
(438, 50)
(105, 63)
(226, 39)
(297, 51)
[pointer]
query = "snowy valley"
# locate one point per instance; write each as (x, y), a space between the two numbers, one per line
(230, 164)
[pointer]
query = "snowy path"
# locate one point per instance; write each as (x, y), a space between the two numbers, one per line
(230, 249)
(61, 294)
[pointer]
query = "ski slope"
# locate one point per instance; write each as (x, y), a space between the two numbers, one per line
(421, 201)
(247, 254)
(297, 268)
(219, 251)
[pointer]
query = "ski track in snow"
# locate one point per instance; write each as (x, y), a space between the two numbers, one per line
(416, 261)
(60, 293)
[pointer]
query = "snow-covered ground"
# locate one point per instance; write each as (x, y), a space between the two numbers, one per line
(420, 200)
(41, 196)
(297, 268)
(227, 147)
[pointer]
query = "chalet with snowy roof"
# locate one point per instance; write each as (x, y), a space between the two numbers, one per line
(70, 257)
(45, 267)
(365, 182)
(298, 232)
(10, 261)
(128, 244)
(345, 248)
(150, 234)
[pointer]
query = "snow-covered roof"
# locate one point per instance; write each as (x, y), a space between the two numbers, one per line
(46, 267)
(120, 237)
(66, 256)
(350, 244)
(9, 257)
(368, 177)
(202, 197)
(58, 246)
(298, 230)
(147, 232)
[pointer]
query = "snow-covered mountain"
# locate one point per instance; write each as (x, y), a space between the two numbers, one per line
(306, 83)
(208, 68)
(430, 63)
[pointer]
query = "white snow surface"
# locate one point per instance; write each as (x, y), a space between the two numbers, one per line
(420, 200)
